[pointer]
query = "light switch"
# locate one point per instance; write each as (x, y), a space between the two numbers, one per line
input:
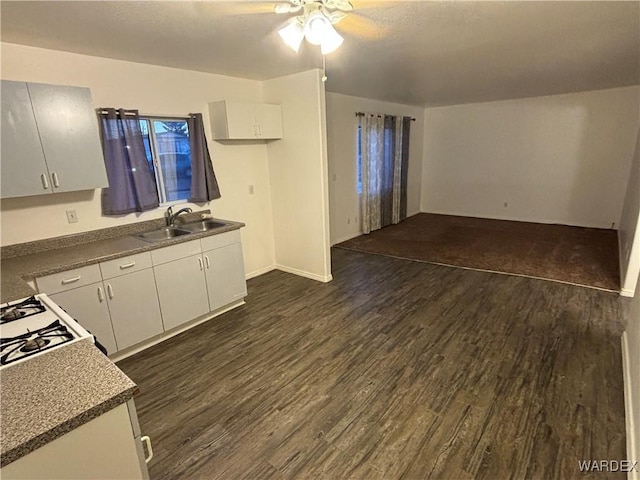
(250, 189)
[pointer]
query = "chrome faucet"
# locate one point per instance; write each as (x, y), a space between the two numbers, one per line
(171, 217)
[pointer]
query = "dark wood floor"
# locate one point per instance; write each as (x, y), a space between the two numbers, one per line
(396, 369)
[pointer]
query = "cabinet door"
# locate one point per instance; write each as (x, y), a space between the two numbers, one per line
(99, 449)
(269, 120)
(225, 275)
(68, 130)
(89, 307)
(182, 290)
(133, 303)
(24, 171)
(241, 120)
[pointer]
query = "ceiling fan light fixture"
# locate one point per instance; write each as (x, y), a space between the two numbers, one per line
(317, 28)
(331, 42)
(292, 34)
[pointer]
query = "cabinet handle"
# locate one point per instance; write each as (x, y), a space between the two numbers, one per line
(100, 295)
(56, 183)
(127, 265)
(200, 263)
(206, 259)
(259, 130)
(45, 183)
(147, 440)
(67, 281)
(110, 290)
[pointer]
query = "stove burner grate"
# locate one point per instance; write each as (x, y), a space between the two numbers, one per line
(17, 348)
(23, 309)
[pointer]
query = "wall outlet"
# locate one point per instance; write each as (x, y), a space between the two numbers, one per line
(72, 216)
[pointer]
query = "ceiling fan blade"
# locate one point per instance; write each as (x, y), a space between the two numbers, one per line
(360, 26)
(343, 5)
(335, 17)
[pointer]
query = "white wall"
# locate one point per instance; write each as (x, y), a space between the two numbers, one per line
(631, 350)
(555, 159)
(151, 90)
(298, 173)
(629, 228)
(342, 129)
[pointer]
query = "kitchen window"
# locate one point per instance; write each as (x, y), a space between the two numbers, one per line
(166, 145)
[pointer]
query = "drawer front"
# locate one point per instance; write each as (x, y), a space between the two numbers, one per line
(175, 252)
(68, 280)
(220, 240)
(124, 265)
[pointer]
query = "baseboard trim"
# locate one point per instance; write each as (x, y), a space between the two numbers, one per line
(260, 271)
(628, 407)
(302, 273)
(348, 237)
(626, 293)
(517, 219)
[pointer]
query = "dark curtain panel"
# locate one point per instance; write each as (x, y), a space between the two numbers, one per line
(204, 186)
(132, 185)
(406, 128)
(388, 166)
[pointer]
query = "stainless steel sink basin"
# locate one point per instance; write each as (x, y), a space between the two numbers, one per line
(165, 233)
(202, 225)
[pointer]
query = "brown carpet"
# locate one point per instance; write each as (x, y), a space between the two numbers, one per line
(578, 255)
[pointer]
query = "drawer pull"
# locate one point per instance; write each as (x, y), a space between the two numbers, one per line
(56, 183)
(45, 182)
(147, 440)
(127, 265)
(67, 281)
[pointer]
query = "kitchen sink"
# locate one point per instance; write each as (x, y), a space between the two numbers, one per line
(165, 233)
(202, 225)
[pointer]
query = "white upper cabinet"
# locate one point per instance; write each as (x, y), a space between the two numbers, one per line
(245, 121)
(60, 123)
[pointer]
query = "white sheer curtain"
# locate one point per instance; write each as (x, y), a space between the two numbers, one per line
(383, 164)
(372, 150)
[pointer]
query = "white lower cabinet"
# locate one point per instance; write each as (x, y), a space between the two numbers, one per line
(126, 301)
(225, 275)
(181, 290)
(88, 305)
(104, 448)
(134, 308)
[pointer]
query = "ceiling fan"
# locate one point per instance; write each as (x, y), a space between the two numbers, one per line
(315, 23)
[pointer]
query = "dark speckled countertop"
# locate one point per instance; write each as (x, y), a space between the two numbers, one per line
(17, 270)
(51, 394)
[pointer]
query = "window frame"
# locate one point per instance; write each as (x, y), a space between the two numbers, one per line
(157, 168)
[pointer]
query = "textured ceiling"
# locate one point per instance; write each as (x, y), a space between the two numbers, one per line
(419, 53)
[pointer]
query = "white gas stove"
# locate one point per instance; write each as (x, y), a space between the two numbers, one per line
(34, 326)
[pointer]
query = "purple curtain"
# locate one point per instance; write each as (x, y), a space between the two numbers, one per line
(132, 185)
(204, 186)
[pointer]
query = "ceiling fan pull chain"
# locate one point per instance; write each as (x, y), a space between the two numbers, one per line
(324, 68)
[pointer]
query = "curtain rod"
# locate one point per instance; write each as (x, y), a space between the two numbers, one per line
(102, 111)
(362, 114)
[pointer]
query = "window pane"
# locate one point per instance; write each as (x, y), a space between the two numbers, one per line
(144, 128)
(174, 154)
